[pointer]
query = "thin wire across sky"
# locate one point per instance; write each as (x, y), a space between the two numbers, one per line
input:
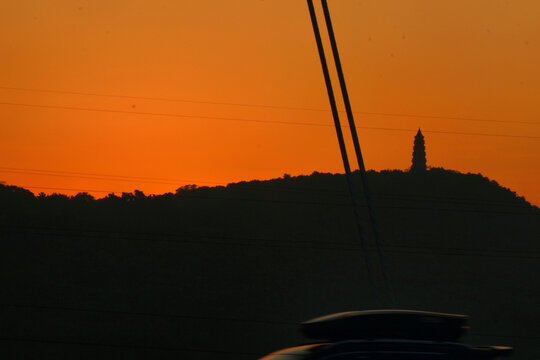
(260, 121)
(266, 106)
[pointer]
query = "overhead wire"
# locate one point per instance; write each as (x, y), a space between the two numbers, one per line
(129, 346)
(129, 177)
(247, 120)
(358, 151)
(337, 204)
(269, 106)
(209, 318)
(279, 243)
(91, 177)
(258, 185)
(274, 323)
(343, 151)
(143, 313)
(70, 189)
(176, 349)
(163, 114)
(463, 201)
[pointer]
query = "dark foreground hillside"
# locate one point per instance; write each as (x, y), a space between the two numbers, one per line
(228, 272)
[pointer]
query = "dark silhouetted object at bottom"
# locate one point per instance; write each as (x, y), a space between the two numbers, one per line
(388, 335)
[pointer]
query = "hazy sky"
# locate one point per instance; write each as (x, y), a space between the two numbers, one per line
(459, 60)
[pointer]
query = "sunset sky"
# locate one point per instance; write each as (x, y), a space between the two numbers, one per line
(211, 92)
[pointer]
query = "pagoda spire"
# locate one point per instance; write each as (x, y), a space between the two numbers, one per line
(419, 153)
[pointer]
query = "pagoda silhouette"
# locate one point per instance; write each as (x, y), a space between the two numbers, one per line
(419, 154)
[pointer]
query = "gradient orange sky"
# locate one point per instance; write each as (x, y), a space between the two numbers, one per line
(453, 59)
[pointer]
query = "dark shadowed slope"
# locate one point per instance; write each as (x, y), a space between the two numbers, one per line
(228, 271)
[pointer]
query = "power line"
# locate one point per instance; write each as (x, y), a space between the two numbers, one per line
(30, 172)
(267, 243)
(164, 99)
(323, 203)
(116, 345)
(269, 106)
(343, 150)
(138, 313)
(166, 114)
(436, 117)
(188, 196)
(211, 318)
(320, 203)
(258, 186)
(2, 168)
(295, 123)
(71, 189)
(459, 201)
(174, 349)
(359, 157)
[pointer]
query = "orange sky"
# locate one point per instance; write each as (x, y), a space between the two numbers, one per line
(453, 59)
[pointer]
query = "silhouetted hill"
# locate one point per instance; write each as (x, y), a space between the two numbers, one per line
(230, 270)
(411, 208)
